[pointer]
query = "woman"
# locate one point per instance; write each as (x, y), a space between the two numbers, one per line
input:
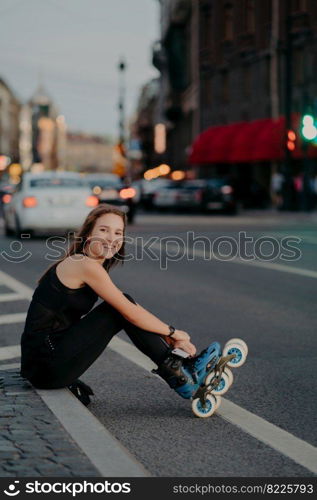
(63, 335)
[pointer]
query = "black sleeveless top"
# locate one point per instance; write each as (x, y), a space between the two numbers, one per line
(55, 307)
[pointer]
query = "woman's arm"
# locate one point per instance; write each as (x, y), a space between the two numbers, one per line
(98, 279)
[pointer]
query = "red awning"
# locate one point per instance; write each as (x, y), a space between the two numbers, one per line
(269, 143)
(244, 142)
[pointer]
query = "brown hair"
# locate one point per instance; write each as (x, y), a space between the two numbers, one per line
(81, 237)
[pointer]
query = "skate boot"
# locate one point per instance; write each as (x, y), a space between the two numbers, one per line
(185, 375)
(82, 391)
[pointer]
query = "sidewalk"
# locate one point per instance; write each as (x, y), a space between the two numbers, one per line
(51, 433)
(32, 440)
(250, 217)
(274, 214)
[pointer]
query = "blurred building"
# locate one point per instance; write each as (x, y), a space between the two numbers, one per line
(9, 123)
(234, 75)
(88, 153)
(42, 133)
(142, 126)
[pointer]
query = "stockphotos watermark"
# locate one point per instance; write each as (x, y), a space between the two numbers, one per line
(74, 488)
(164, 250)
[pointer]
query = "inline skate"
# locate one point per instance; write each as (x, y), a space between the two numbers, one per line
(206, 377)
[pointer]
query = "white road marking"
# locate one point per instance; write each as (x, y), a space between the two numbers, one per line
(8, 297)
(10, 366)
(107, 454)
(7, 319)
(10, 352)
(21, 292)
(255, 263)
(308, 273)
(16, 285)
(292, 447)
(298, 450)
(306, 237)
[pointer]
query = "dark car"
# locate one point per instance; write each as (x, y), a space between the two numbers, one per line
(109, 188)
(149, 188)
(218, 195)
(166, 197)
(200, 194)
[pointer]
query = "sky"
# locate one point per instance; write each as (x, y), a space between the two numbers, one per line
(74, 47)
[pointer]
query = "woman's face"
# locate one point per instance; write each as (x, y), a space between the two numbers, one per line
(106, 238)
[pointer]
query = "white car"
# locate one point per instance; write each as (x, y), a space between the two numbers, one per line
(48, 202)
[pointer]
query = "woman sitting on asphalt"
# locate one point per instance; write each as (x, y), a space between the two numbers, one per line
(64, 334)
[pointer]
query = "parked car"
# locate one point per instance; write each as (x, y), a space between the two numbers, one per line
(149, 188)
(218, 195)
(199, 194)
(6, 191)
(189, 194)
(109, 188)
(6, 188)
(50, 201)
(166, 197)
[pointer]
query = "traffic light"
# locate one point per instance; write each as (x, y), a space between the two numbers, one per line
(119, 160)
(120, 148)
(291, 140)
(309, 128)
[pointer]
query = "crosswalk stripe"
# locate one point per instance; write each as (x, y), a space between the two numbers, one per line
(16, 285)
(7, 319)
(8, 297)
(10, 352)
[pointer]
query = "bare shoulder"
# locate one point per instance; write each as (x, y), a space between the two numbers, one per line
(72, 261)
(81, 263)
(88, 267)
(88, 263)
(71, 270)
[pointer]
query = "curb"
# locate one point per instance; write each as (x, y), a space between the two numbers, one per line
(50, 433)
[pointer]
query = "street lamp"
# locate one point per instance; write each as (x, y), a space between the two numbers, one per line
(121, 108)
(288, 92)
(121, 68)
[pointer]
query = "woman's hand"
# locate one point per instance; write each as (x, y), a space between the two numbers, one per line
(181, 340)
(181, 336)
(185, 346)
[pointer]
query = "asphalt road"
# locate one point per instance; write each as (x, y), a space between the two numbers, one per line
(272, 308)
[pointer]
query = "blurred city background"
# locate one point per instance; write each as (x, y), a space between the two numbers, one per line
(198, 118)
(195, 104)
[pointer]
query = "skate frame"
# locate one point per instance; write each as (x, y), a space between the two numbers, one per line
(204, 389)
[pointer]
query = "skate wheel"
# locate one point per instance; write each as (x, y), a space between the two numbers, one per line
(238, 341)
(229, 373)
(239, 351)
(218, 399)
(209, 378)
(223, 385)
(205, 411)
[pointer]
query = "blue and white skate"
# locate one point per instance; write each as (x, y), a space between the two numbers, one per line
(218, 377)
(198, 368)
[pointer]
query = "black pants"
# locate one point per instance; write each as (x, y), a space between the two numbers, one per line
(71, 352)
